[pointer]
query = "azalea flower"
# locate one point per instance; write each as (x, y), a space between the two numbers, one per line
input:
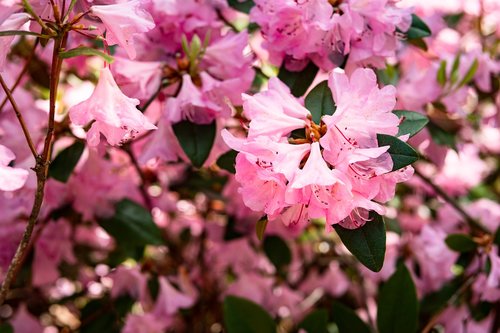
(114, 114)
(11, 179)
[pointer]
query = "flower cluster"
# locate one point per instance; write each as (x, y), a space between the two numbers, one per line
(336, 170)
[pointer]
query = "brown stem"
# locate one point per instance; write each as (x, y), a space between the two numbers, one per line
(20, 76)
(41, 170)
(19, 117)
(475, 225)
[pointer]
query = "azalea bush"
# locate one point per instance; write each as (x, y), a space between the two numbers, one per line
(308, 166)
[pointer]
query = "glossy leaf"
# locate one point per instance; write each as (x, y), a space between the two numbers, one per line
(241, 5)
(347, 320)
(63, 165)
(366, 243)
(418, 28)
(244, 316)
(398, 304)
(85, 51)
(277, 251)
(402, 154)
(460, 243)
(132, 225)
(320, 102)
(442, 137)
(316, 321)
(298, 82)
(470, 74)
(227, 161)
(412, 123)
(196, 140)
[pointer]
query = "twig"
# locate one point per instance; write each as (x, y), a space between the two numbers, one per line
(41, 170)
(19, 117)
(470, 221)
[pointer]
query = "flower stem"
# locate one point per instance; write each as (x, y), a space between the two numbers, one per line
(41, 169)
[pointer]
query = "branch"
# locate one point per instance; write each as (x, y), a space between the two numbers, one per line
(41, 169)
(474, 224)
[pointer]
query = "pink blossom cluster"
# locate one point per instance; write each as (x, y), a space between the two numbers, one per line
(336, 171)
(328, 32)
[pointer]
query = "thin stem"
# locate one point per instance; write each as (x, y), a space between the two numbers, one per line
(41, 170)
(474, 224)
(70, 9)
(23, 71)
(19, 117)
(29, 9)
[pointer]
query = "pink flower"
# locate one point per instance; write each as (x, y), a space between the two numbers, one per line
(146, 323)
(14, 22)
(115, 114)
(123, 21)
(11, 179)
(170, 300)
(336, 171)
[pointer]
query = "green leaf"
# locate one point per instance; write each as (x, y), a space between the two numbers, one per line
(6, 328)
(260, 227)
(298, 82)
(366, 243)
(196, 140)
(397, 304)
(242, 6)
(320, 102)
(105, 315)
(454, 69)
(388, 75)
(347, 320)
(418, 28)
(244, 316)
(402, 154)
(227, 161)
(460, 243)
(277, 251)
(441, 74)
(85, 51)
(420, 43)
(132, 225)
(22, 33)
(442, 137)
(412, 123)
(470, 74)
(316, 322)
(63, 165)
(433, 302)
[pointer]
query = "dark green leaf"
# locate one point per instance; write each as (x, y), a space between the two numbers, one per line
(402, 154)
(347, 320)
(315, 322)
(277, 251)
(298, 82)
(132, 225)
(196, 140)
(442, 137)
(433, 302)
(227, 160)
(418, 28)
(366, 243)
(441, 74)
(460, 243)
(260, 227)
(412, 123)
(85, 51)
(242, 6)
(320, 102)
(420, 43)
(105, 315)
(244, 316)
(470, 74)
(397, 304)
(6, 328)
(62, 166)
(496, 239)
